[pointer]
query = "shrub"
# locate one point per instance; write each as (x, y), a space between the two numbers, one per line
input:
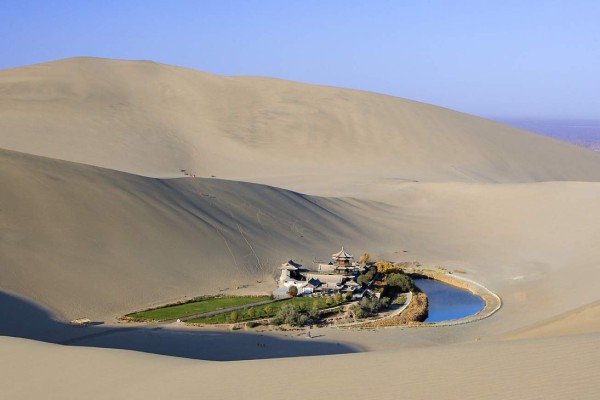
(316, 304)
(373, 305)
(358, 311)
(293, 291)
(252, 324)
(364, 303)
(367, 277)
(234, 316)
(370, 306)
(337, 297)
(268, 309)
(400, 300)
(251, 312)
(400, 282)
(314, 313)
(288, 314)
(384, 302)
(348, 296)
(329, 301)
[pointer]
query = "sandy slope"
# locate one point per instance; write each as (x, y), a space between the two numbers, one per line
(83, 240)
(557, 368)
(583, 320)
(154, 120)
(90, 241)
(80, 239)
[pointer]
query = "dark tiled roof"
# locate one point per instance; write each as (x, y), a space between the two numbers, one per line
(314, 282)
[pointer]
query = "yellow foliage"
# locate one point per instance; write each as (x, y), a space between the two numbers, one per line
(364, 259)
(386, 267)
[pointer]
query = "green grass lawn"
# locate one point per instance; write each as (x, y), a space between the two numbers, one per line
(263, 310)
(196, 307)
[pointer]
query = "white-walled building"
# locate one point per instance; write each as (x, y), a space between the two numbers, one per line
(337, 275)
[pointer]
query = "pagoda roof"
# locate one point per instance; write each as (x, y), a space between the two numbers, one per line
(291, 265)
(342, 254)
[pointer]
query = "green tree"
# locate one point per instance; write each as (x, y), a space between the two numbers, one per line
(400, 282)
(369, 306)
(367, 277)
(358, 311)
(348, 296)
(288, 314)
(268, 309)
(374, 305)
(234, 316)
(293, 291)
(251, 312)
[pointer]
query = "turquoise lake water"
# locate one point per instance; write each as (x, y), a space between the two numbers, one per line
(447, 302)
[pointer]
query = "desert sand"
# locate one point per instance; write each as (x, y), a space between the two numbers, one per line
(97, 220)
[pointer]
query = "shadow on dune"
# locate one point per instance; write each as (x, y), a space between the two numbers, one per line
(22, 318)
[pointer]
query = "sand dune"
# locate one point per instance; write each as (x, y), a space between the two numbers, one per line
(80, 235)
(556, 368)
(575, 322)
(84, 240)
(90, 241)
(154, 120)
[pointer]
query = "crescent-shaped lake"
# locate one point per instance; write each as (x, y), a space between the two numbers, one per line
(447, 302)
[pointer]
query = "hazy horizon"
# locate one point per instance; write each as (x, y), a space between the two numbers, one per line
(582, 132)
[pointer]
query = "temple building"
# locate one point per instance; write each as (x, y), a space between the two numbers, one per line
(291, 271)
(338, 275)
(342, 258)
(343, 262)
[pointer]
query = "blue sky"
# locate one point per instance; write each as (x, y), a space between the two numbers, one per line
(489, 58)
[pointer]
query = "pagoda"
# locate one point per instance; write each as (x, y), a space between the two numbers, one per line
(343, 259)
